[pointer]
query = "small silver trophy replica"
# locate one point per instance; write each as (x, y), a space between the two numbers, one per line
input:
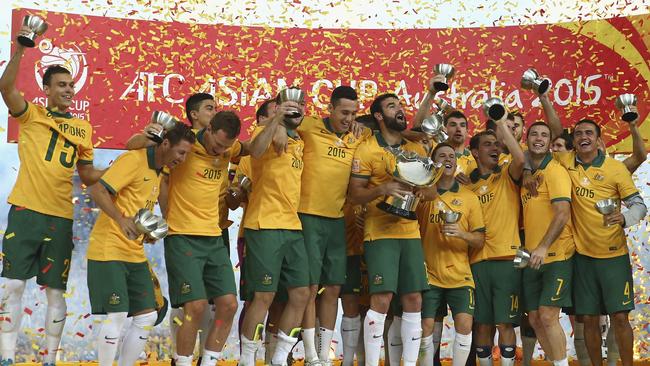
(245, 184)
(521, 258)
(624, 102)
(494, 109)
(434, 125)
(165, 120)
(414, 171)
(36, 25)
(292, 95)
(448, 72)
(152, 226)
(450, 217)
(160, 232)
(532, 81)
(607, 206)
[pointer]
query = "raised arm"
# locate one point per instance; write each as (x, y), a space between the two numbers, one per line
(10, 94)
(425, 106)
(504, 134)
(551, 117)
(639, 155)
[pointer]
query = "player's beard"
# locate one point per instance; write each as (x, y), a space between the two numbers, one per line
(393, 124)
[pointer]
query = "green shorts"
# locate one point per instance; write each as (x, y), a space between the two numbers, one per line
(325, 245)
(352, 283)
(497, 292)
(116, 286)
(603, 285)
(549, 286)
(38, 245)
(395, 265)
(198, 268)
(225, 235)
(274, 256)
(460, 300)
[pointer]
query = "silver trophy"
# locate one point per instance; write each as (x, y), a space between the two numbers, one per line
(624, 102)
(166, 120)
(292, 95)
(145, 221)
(448, 72)
(521, 258)
(494, 108)
(450, 217)
(245, 184)
(607, 206)
(532, 81)
(434, 125)
(36, 25)
(414, 171)
(160, 232)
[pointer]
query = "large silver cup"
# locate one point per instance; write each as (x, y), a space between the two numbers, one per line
(414, 171)
(448, 72)
(165, 120)
(521, 258)
(160, 232)
(607, 206)
(450, 217)
(292, 95)
(624, 102)
(494, 108)
(532, 81)
(36, 25)
(434, 125)
(145, 221)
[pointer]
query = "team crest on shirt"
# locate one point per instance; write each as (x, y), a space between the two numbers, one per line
(599, 177)
(114, 299)
(267, 280)
(378, 280)
(186, 288)
(456, 202)
(351, 140)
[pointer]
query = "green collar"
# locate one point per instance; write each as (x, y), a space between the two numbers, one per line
(200, 137)
(465, 152)
(597, 162)
(293, 134)
(475, 175)
(151, 159)
(454, 188)
(547, 159)
(59, 114)
(326, 122)
(382, 142)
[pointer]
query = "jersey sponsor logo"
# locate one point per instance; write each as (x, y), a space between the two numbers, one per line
(71, 58)
(553, 298)
(626, 302)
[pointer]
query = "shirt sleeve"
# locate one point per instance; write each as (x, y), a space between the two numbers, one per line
(475, 216)
(86, 149)
(122, 172)
(26, 114)
(624, 182)
(559, 184)
(362, 162)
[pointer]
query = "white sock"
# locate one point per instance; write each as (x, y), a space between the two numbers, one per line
(136, 338)
(54, 322)
(206, 324)
(248, 349)
(484, 354)
(507, 361)
(437, 336)
(462, 348)
(563, 362)
(350, 329)
(612, 347)
(411, 336)
(184, 360)
(173, 327)
(373, 334)
(528, 349)
(109, 337)
(209, 358)
(426, 351)
(579, 343)
(12, 303)
(309, 341)
(324, 342)
(282, 349)
(395, 344)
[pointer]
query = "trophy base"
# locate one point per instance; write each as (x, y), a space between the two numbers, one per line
(496, 112)
(396, 211)
(630, 116)
(440, 86)
(155, 138)
(26, 42)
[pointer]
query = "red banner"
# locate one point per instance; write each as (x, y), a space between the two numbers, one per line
(125, 69)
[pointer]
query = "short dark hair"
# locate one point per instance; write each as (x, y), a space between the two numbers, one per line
(375, 107)
(228, 122)
(568, 139)
(193, 103)
(343, 92)
(440, 146)
(454, 114)
(476, 139)
(54, 69)
(179, 132)
(368, 120)
(538, 123)
(263, 110)
(589, 121)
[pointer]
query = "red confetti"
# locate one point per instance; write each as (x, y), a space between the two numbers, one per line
(80, 334)
(47, 268)
(28, 311)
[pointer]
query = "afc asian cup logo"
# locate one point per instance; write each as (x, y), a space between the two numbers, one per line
(71, 58)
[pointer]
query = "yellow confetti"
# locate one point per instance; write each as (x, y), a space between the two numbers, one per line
(10, 235)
